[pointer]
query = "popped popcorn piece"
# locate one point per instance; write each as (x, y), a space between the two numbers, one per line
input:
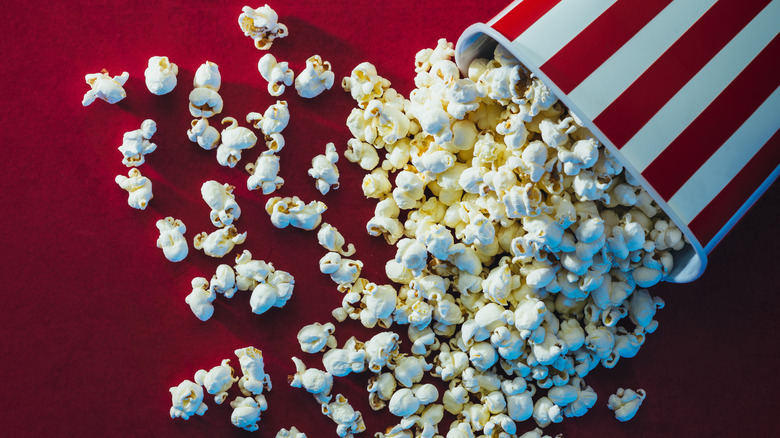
(293, 211)
(204, 135)
(262, 25)
(222, 201)
(219, 242)
(254, 378)
(362, 153)
(292, 433)
(277, 74)
(626, 402)
(207, 76)
(349, 359)
(272, 122)
(324, 170)
(315, 78)
(224, 281)
(135, 144)
(381, 349)
(160, 75)
(342, 271)
(187, 400)
(205, 102)
(200, 299)
(139, 188)
(348, 420)
(275, 292)
(330, 238)
(246, 412)
(234, 140)
(264, 173)
(217, 380)
(171, 239)
(317, 382)
(316, 337)
(365, 84)
(104, 87)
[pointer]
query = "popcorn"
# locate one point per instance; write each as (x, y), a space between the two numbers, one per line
(315, 78)
(349, 359)
(381, 387)
(220, 198)
(316, 337)
(330, 238)
(293, 211)
(200, 300)
(219, 242)
(324, 170)
(204, 135)
(234, 140)
(254, 378)
(365, 84)
(187, 399)
(348, 420)
(250, 273)
(224, 281)
(626, 402)
(160, 75)
(217, 380)
(262, 25)
(104, 87)
(278, 74)
(139, 188)
(207, 76)
(362, 153)
(135, 144)
(246, 412)
(171, 239)
(317, 382)
(272, 122)
(264, 173)
(292, 433)
(205, 102)
(274, 293)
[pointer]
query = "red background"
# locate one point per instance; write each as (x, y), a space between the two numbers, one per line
(94, 327)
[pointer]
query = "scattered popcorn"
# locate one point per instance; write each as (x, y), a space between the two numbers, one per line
(104, 87)
(160, 75)
(317, 382)
(348, 420)
(254, 378)
(171, 239)
(207, 76)
(246, 412)
(324, 170)
(316, 337)
(222, 201)
(224, 281)
(330, 238)
(292, 433)
(187, 399)
(278, 74)
(626, 402)
(234, 140)
(217, 380)
(264, 173)
(272, 122)
(205, 102)
(262, 25)
(315, 78)
(135, 144)
(219, 242)
(250, 273)
(342, 271)
(275, 292)
(200, 299)
(204, 135)
(139, 188)
(293, 211)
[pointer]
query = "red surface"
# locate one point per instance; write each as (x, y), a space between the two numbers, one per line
(95, 328)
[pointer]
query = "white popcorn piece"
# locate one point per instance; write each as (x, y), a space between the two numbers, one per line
(315, 337)
(294, 212)
(254, 378)
(380, 302)
(204, 135)
(292, 433)
(626, 402)
(586, 399)
(273, 120)
(246, 412)
(546, 412)
(207, 76)
(330, 238)
(274, 293)
(200, 299)
(348, 420)
(224, 281)
(250, 273)
(409, 369)
(403, 403)
(187, 400)
(222, 201)
(219, 242)
(380, 349)
(324, 170)
(104, 87)
(381, 387)
(136, 144)
(205, 102)
(139, 188)
(264, 173)
(262, 25)
(317, 382)
(315, 78)
(171, 239)
(362, 153)
(364, 84)
(278, 74)
(349, 359)
(234, 140)
(376, 184)
(160, 75)
(412, 254)
(217, 381)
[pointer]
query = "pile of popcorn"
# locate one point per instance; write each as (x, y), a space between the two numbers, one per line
(523, 248)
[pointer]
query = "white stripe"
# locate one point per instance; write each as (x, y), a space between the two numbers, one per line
(556, 28)
(702, 89)
(503, 12)
(724, 164)
(612, 77)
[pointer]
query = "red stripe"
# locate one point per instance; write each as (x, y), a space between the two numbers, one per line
(686, 154)
(723, 207)
(522, 16)
(601, 39)
(652, 90)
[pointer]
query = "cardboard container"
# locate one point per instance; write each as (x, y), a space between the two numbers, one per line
(685, 93)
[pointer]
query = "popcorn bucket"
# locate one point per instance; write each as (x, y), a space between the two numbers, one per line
(684, 93)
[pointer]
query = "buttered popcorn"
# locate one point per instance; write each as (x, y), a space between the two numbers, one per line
(262, 25)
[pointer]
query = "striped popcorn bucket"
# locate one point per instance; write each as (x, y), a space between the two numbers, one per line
(683, 92)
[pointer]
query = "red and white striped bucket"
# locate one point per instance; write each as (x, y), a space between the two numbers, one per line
(684, 93)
